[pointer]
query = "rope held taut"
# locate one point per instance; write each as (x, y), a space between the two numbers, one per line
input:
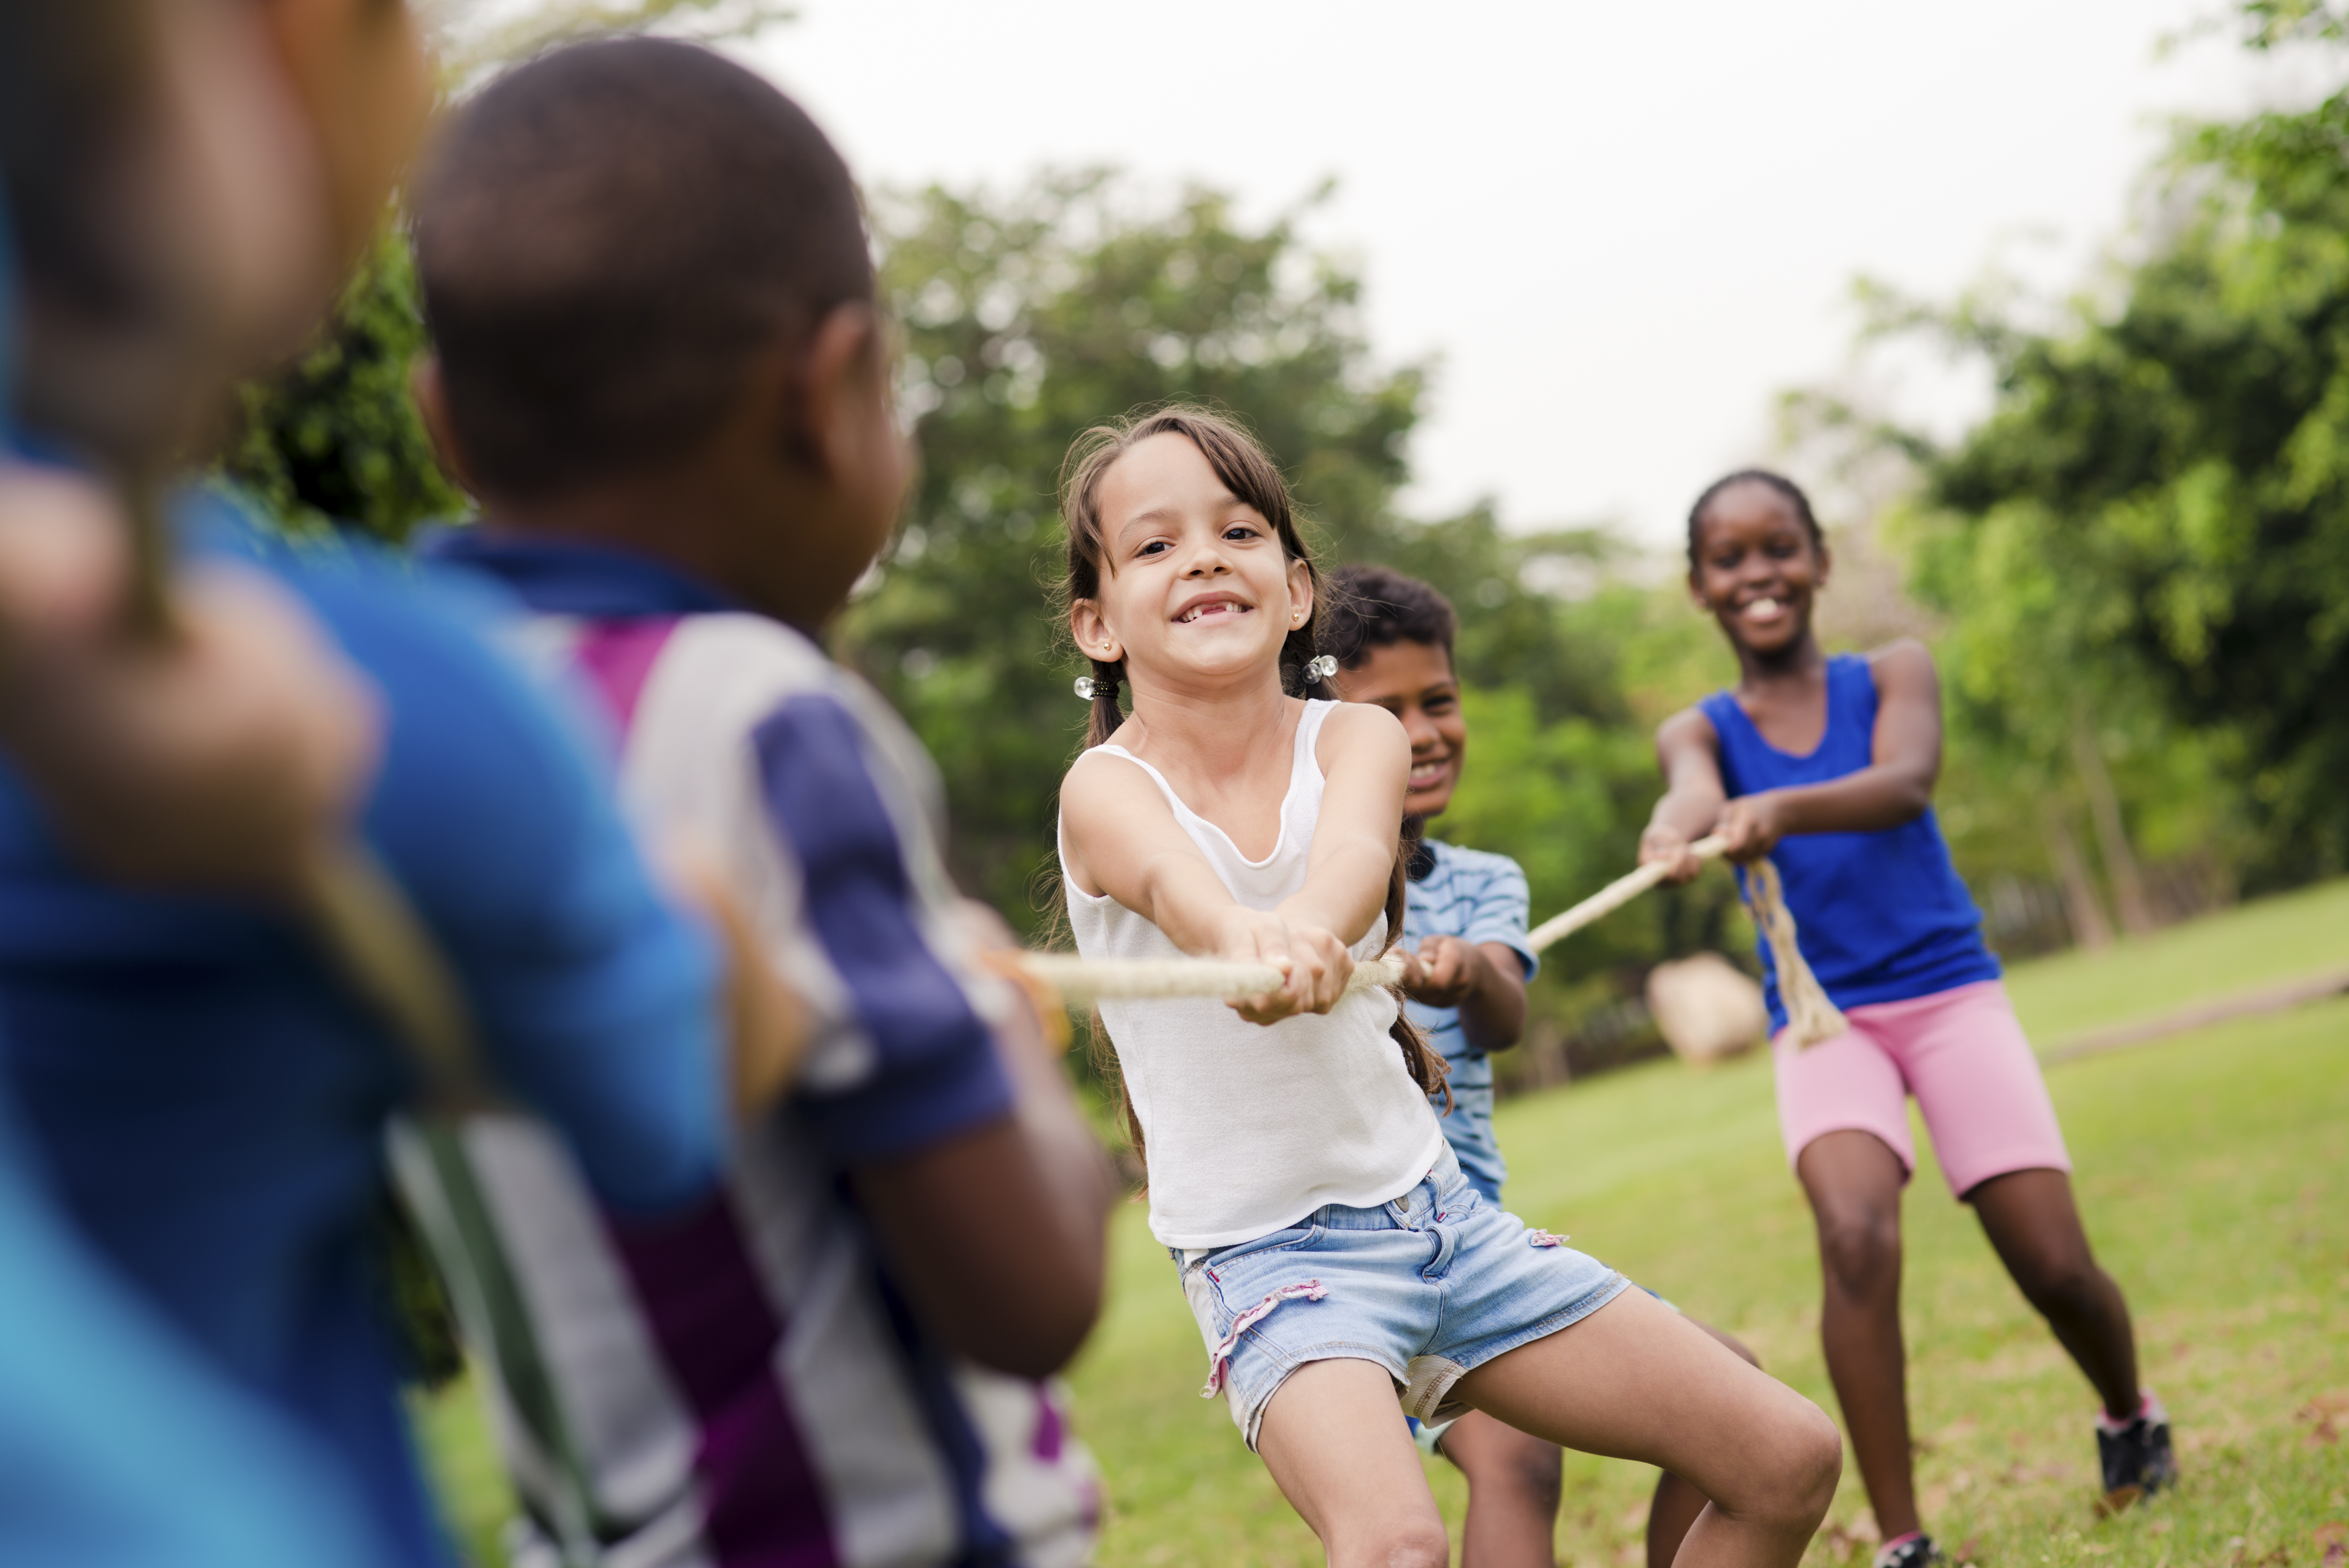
(1810, 1016)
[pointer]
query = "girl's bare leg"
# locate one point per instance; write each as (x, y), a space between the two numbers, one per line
(1854, 1182)
(1513, 1492)
(2033, 1223)
(1635, 1380)
(1677, 1503)
(1335, 1443)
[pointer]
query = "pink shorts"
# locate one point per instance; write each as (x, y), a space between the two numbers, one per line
(1960, 1052)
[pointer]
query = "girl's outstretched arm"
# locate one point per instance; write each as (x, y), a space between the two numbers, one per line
(1121, 839)
(1690, 754)
(1365, 757)
(1896, 786)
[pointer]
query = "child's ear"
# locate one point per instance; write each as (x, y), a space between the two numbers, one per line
(844, 384)
(1300, 592)
(1091, 630)
(431, 395)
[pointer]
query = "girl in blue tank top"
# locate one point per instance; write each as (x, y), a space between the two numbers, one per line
(1827, 765)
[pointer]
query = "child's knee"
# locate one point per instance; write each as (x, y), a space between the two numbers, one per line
(1421, 1544)
(1815, 1462)
(1415, 1541)
(1798, 1461)
(1861, 1252)
(1532, 1469)
(1501, 1458)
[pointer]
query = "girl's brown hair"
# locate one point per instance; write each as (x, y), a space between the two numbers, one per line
(1248, 470)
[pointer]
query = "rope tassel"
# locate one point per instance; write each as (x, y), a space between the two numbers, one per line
(1810, 1016)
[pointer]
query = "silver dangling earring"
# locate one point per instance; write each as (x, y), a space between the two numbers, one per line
(1322, 668)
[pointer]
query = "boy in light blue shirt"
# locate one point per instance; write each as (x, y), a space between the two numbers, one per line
(1468, 962)
(1464, 921)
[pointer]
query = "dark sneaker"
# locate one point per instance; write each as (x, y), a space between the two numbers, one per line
(1914, 1550)
(2136, 1455)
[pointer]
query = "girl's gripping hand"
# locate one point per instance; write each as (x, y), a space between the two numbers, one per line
(1751, 826)
(1667, 843)
(1317, 963)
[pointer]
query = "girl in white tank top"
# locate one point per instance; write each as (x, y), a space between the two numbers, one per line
(1332, 1253)
(1330, 1113)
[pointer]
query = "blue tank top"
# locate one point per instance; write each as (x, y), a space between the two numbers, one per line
(1882, 916)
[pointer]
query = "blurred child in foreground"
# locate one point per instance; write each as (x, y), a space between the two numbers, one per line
(213, 760)
(661, 366)
(190, 181)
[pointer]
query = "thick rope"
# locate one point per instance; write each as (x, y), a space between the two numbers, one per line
(1810, 1016)
(1082, 981)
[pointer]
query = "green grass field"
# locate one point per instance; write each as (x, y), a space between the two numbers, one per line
(2213, 1170)
(2251, 944)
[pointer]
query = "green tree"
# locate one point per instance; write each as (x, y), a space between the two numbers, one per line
(1029, 316)
(2158, 505)
(334, 437)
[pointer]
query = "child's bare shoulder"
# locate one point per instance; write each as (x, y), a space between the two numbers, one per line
(1905, 662)
(1361, 730)
(1690, 726)
(1099, 780)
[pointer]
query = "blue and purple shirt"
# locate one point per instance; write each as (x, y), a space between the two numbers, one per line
(742, 1383)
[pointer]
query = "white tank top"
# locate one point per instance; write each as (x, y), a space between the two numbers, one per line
(1251, 1127)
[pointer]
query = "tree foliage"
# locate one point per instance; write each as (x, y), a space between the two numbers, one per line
(2154, 521)
(1027, 317)
(473, 37)
(335, 438)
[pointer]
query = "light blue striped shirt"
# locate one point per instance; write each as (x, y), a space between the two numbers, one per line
(1478, 897)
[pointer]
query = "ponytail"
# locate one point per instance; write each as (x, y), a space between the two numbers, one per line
(1102, 716)
(1425, 1065)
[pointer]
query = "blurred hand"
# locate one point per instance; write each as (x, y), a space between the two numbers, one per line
(768, 1032)
(1671, 846)
(229, 756)
(1749, 826)
(1041, 1037)
(1442, 972)
(1315, 963)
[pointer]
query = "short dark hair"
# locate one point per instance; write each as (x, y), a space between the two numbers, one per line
(1786, 488)
(1377, 607)
(604, 237)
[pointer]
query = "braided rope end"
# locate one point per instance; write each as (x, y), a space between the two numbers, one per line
(1811, 1017)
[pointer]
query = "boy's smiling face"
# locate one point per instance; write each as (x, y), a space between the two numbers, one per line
(1414, 681)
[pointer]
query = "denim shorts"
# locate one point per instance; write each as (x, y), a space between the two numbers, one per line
(1431, 1286)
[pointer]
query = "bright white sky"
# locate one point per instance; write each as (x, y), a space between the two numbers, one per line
(1619, 229)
